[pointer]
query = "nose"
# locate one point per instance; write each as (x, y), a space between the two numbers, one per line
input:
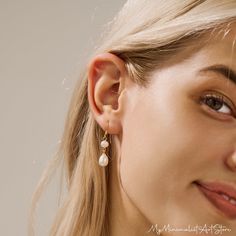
(231, 161)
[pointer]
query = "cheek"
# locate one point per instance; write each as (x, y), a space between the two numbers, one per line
(158, 147)
(152, 154)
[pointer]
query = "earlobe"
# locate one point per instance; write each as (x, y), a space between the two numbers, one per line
(106, 75)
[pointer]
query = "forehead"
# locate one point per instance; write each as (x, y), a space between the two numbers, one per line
(217, 44)
(216, 47)
(220, 46)
(226, 34)
(223, 39)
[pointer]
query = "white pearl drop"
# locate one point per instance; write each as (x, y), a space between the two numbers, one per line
(104, 144)
(103, 160)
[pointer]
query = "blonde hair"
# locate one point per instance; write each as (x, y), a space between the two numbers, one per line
(143, 34)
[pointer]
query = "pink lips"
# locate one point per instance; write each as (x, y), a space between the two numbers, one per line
(221, 195)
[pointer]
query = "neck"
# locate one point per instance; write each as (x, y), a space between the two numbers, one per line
(124, 216)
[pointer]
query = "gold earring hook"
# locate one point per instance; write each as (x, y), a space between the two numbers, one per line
(105, 134)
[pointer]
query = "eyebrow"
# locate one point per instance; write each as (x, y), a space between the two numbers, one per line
(224, 70)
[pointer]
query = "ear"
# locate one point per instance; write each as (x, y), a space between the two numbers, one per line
(106, 80)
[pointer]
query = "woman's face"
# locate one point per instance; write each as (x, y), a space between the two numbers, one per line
(173, 137)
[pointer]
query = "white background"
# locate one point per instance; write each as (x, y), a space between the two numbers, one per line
(43, 45)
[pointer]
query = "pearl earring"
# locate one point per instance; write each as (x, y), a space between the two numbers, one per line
(103, 159)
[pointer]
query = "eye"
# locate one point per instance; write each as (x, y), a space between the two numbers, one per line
(218, 103)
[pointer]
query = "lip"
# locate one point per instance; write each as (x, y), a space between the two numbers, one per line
(221, 195)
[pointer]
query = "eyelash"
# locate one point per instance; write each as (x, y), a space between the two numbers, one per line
(218, 98)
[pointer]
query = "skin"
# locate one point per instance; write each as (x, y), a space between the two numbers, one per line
(165, 139)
